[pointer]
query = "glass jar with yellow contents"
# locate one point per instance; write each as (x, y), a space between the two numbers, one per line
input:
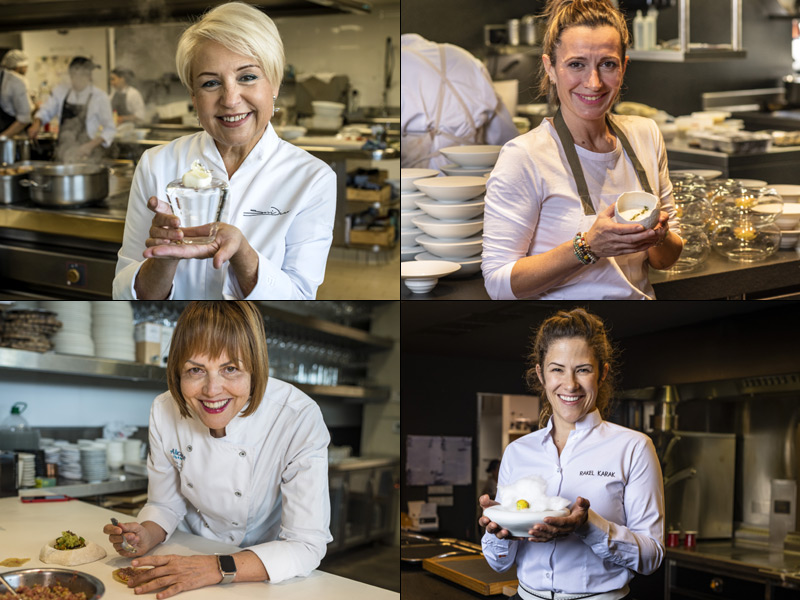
(745, 228)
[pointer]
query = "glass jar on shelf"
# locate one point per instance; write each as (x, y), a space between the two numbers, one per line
(696, 249)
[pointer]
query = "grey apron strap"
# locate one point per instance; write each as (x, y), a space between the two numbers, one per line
(574, 162)
(568, 143)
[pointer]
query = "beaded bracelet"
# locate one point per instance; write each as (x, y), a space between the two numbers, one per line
(582, 251)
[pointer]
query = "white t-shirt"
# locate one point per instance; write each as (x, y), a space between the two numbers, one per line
(14, 96)
(281, 198)
(533, 205)
(617, 470)
(99, 118)
(264, 486)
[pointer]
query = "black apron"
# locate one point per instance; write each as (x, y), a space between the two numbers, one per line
(119, 104)
(568, 143)
(72, 132)
(6, 120)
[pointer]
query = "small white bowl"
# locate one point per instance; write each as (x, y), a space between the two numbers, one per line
(328, 109)
(519, 522)
(789, 239)
(409, 201)
(752, 183)
(630, 204)
(472, 156)
(450, 212)
(444, 230)
(789, 193)
(406, 218)
(452, 249)
(452, 188)
(410, 253)
(290, 132)
(469, 266)
(408, 176)
(409, 236)
(790, 216)
(706, 174)
(454, 169)
(422, 276)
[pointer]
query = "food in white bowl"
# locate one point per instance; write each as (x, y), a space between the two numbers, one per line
(789, 193)
(408, 237)
(448, 230)
(408, 176)
(523, 504)
(457, 188)
(472, 156)
(638, 208)
(469, 266)
(422, 276)
(70, 550)
(448, 211)
(406, 218)
(452, 249)
(454, 169)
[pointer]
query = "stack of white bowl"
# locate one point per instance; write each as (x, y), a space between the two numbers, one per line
(453, 221)
(112, 330)
(409, 195)
(789, 219)
(327, 116)
(75, 336)
(93, 462)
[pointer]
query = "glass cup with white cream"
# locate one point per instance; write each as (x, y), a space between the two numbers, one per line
(198, 199)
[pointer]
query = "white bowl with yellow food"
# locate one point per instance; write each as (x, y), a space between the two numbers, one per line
(519, 522)
(637, 208)
(524, 504)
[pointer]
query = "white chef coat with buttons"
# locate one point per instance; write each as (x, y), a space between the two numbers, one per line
(14, 96)
(617, 470)
(99, 118)
(264, 486)
(281, 198)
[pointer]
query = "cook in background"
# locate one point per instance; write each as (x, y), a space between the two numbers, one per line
(490, 486)
(534, 220)
(234, 457)
(86, 126)
(278, 230)
(126, 100)
(447, 99)
(580, 455)
(15, 107)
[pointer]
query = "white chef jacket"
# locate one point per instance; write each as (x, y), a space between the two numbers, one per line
(14, 96)
(264, 486)
(281, 198)
(617, 470)
(133, 101)
(99, 118)
(439, 110)
(532, 206)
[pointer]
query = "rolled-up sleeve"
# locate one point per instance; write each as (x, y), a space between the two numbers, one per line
(305, 518)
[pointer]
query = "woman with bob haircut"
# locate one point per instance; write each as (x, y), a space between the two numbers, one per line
(277, 225)
(235, 456)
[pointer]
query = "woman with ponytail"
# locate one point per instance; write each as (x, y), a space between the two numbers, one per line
(615, 526)
(549, 229)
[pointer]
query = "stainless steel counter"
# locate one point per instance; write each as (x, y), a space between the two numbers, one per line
(717, 278)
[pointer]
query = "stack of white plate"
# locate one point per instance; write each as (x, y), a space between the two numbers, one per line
(453, 221)
(51, 453)
(409, 196)
(74, 337)
(93, 463)
(27, 469)
(112, 330)
(69, 462)
(470, 160)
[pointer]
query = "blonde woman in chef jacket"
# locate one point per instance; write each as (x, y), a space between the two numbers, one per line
(277, 226)
(234, 457)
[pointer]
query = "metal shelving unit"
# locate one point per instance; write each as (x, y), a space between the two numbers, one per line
(80, 366)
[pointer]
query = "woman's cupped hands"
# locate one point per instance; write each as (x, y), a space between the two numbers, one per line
(609, 238)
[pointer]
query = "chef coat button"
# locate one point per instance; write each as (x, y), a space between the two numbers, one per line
(238, 494)
(188, 448)
(242, 453)
(235, 524)
(547, 575)
(189, 485)
(558, 469)
(230, 537)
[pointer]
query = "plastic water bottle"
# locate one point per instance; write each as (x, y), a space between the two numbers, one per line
(639, 34)
(15, 423)
(650, 30)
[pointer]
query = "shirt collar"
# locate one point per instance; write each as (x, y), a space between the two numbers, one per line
(587, 423)
(264, 147)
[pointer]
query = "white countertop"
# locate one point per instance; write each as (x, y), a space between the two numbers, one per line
(25, 528)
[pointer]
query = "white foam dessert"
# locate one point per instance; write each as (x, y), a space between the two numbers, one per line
(635, 214)
(533, 490)
(197, 177)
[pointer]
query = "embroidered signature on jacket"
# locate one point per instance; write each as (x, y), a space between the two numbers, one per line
(272, 212)
(178, 456)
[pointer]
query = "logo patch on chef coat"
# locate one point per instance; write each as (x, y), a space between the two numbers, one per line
(177, 457)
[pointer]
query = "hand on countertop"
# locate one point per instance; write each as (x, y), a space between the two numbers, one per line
(175, 573)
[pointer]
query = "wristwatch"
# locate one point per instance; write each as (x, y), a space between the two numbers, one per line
(227, 567)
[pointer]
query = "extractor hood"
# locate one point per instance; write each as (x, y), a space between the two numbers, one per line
(25, 15)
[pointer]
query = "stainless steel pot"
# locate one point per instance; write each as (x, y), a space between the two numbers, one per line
(57, 185)
(11, 192)
(8, 150)
(791, 86)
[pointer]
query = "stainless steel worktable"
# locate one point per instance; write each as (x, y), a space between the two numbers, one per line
(717, 278)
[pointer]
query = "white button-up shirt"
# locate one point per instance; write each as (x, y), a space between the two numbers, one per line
(617, 470)
(14, 96)
(264, 486)
(281, 198)
(99, 118)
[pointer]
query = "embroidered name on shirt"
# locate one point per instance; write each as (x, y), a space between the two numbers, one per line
(272, 212)
(178, 456)
(598, 474)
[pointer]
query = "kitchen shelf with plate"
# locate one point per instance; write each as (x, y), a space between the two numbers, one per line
(117, 482)
(84, 366)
